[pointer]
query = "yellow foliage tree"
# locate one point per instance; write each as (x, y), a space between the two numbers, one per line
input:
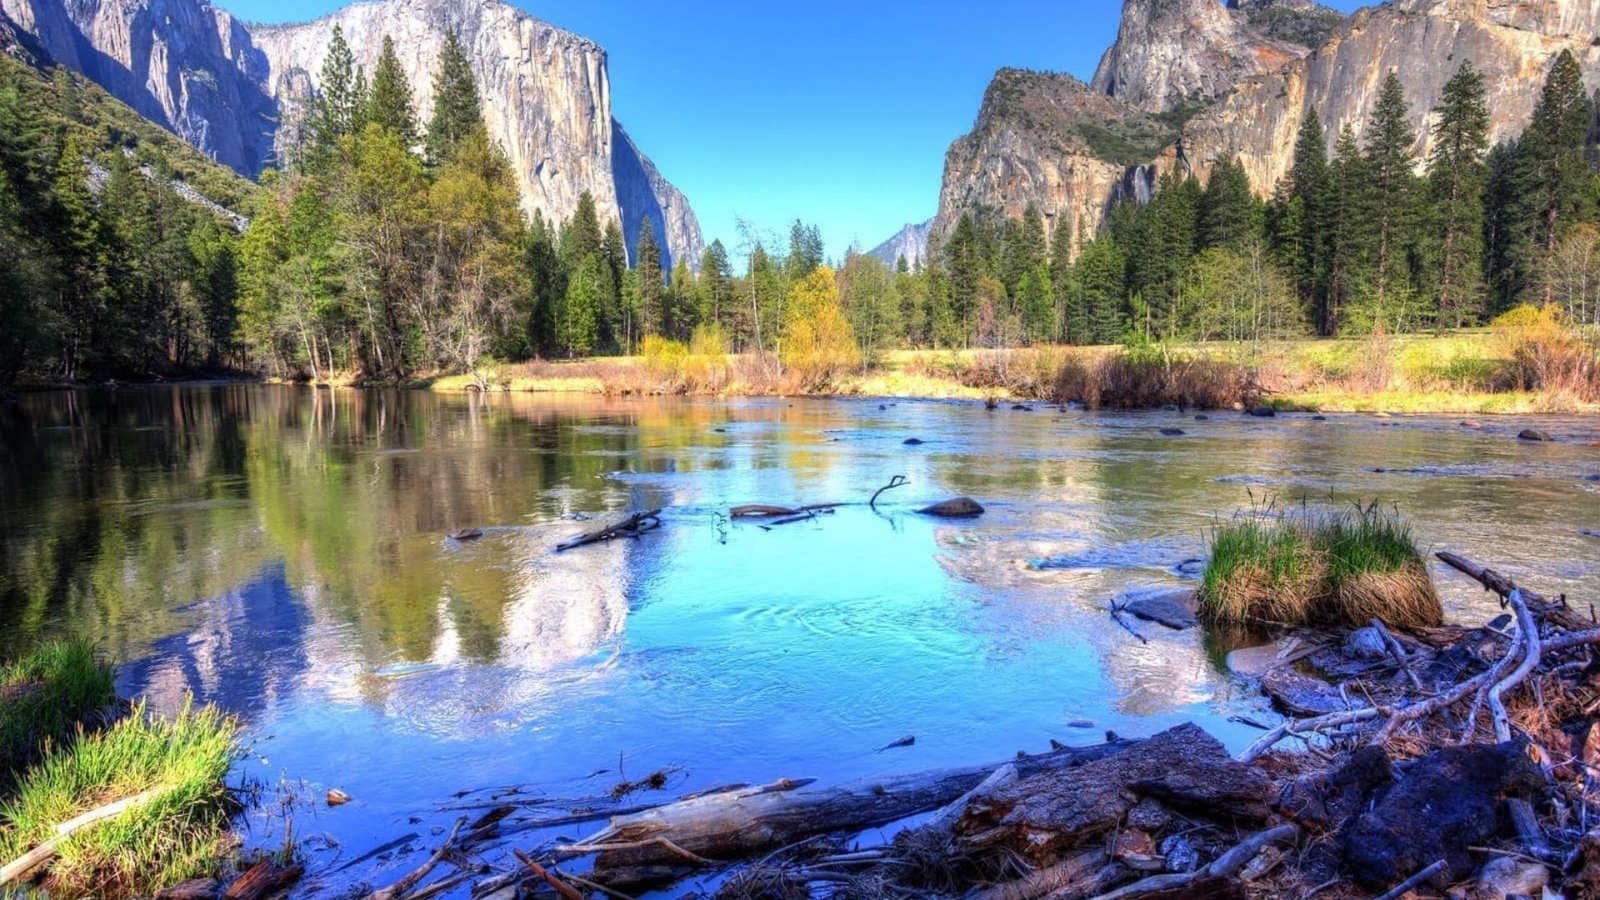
(818, 344)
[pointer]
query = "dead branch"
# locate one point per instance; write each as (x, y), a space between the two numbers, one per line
(1398, 652)
(1416, 880)
(895, 482)
(567, 891)
(634, 526)
(1223, 866)
(42, 855)
(399, 888)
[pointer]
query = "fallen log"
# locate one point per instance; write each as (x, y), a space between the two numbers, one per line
(634, 526)
(741, 823)
(30, 862)
(264, 879)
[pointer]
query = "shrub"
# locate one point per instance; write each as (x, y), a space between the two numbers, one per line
(1547, 353)
(667, 362)
(1335, 569)
(818, 344)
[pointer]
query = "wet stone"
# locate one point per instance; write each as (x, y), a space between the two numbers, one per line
(959, 508)
(913, 442)
(1172, 607)
(1172, 432)
(1534, 434)
(1301, 695)
(1264, 412)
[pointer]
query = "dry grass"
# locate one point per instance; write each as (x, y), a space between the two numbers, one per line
(1338, 569)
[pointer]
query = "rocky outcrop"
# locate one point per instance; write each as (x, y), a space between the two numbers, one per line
(1028, 143)
(1055, 142)
(909, 243)
(1173, 54)
(230, 89)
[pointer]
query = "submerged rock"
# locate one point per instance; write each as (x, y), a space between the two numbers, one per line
(1172, 607)
(1447, 802)
(1172, 432)
(1534, 434)
(913, 442)
(959, 508)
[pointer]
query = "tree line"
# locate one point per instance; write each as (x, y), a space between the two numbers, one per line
(389, 248)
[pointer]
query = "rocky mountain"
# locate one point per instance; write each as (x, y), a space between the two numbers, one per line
(1189, 82)
(909, 243)
(233, 90)
(1172, 54)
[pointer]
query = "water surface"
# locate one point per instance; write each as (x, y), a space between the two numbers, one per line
(283, 552)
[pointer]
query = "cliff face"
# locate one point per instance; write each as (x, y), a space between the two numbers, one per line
(1057, 143)
(1512, 42)
(1171, 54)
(227, 88)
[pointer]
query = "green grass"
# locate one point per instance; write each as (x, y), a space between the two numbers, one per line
(43, 698)
(1340, 569)
(182, 833)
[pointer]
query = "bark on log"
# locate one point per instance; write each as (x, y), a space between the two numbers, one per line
(736, 824)
(264, 879)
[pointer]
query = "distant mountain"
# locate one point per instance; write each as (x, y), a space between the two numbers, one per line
(236, 91)
(910, 242)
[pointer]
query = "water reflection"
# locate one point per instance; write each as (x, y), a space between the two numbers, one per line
(283, 552)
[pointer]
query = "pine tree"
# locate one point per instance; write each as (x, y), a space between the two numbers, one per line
(337, 104)
(581, 313)
(963, 265)
(1456, 181)
(581, 237)
(1024, 248)
(1310, 193)
(716, 288)
(651, 288)
(1061, 276)
(1229, 214)
(805, 250)
(614, 331)
(1036, 299)
(547, 283)
(456, 107)
(1349, 238)
(1098, 280)
(389, 100)
(1392, 185)
(1554, 152)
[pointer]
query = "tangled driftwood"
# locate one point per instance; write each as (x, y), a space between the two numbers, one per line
(632, 527)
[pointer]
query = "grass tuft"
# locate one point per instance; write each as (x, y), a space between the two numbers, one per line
(44, 697)
(180, 834)
(1336, 569)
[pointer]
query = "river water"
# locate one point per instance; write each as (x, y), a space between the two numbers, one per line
(283, 552)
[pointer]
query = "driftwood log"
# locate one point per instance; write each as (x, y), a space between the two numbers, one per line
(25, 865)
(633, 526)
(739, 823)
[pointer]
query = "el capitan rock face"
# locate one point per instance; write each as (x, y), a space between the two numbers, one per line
(1172, 54)
(233, 89)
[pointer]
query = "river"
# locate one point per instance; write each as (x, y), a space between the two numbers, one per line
(283, 552)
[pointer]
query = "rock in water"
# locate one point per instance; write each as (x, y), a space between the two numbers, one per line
(1449, 801)
(1534, 434)
(913, 442)
(1172, 432)
(959, 508)
(1172, 607)
(337, 797)
(1264, 412)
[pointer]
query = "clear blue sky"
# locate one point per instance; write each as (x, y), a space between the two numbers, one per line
(831, 111)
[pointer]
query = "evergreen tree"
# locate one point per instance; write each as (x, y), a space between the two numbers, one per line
(1348, 242)
(1061, 278)
(651, 288)
(581, 237)
(1024, 248)
(1228, 209)
(1557, 180)
(1310, 196)
(1098, 281)
(456, 109)
(615, 330)
(805, 250)
(716, 289)
(963, 265)
(581, 313)
(547, 279)
(337, 105)
(1456, 182)
(389, 100)
(1392, 185)
(1036, 300)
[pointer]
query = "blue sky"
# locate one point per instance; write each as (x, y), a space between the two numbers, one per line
(831, 111)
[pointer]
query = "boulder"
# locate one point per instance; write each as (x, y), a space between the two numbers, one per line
(1534, 434)
(1184, 768)
(1447, 801)
(1172, 607)
(1172, 432)
(1264, 412)
(959, 508)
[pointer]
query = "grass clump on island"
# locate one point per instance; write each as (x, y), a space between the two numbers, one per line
(1328, 569)
(176, 829)
(44, 697)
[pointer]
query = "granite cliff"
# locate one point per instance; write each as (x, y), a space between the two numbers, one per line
(229, 88)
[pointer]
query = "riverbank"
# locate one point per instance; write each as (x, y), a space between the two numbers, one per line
(1467, 373)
